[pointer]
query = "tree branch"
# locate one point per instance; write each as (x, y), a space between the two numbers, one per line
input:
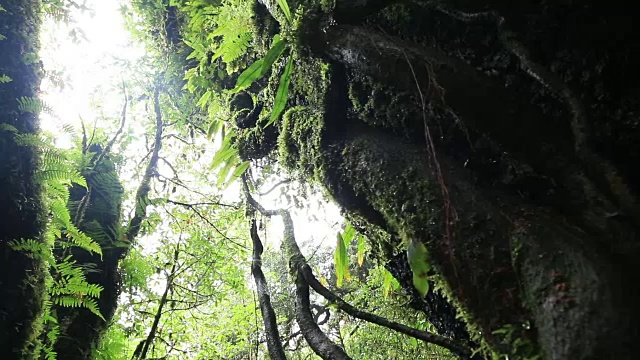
(201, 203)
(154, 327)
(281, 182)
(274, 345)
(315, 337)
(192, 207)
(143, 190)
(450, 344)
(113, 140)
(305, 278)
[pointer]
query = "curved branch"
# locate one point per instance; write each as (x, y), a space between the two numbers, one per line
(315, 337)
(305, 278)
(201, 203)
(281, 182)
(142, 354)
(113, 140)
(450, 344)
(274, 345)
(143, 190)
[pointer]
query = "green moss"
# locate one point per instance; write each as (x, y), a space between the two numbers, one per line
(302, 128)
(21, 277)
(400, 201)
(384, 107)
(382, 246)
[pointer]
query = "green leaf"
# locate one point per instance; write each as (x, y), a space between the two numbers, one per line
(348, 234)
(361, 249)
(282, 93)
(223, 154)
(241, 169)
(341, 260)
(388, 282)
(418, 257)
(5, 79)
(253, 73)
(285, 9)
(222, 174)
(277, 48)
(259, 68)
(204, 99)
(214, 126)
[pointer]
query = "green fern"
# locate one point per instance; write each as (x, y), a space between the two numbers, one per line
(67, 284)
(224, 29)
(52, 331)
(57, 13)
(234, 44)
(71, 289)
(34, 249)
(33, 105)
(33, 140)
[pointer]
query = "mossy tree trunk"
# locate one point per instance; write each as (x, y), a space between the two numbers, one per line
(21, 214)
(96, 212)
(504, 136)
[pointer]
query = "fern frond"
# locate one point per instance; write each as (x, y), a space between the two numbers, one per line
(81, 240)
(33, 105)
(7, 127)
(33, 249)
(68, 129)
(92, 305)
(95, 230)
(33, 140)
(233, 46)
(71, 288)
(57, 13)
(53, 159)
(76, 301)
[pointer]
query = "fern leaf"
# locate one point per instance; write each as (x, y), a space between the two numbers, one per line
(33, 105)
(81, 240)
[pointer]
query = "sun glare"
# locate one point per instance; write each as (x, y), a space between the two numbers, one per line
(85, 52)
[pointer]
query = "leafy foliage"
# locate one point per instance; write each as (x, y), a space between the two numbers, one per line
(340, 256)
(71, 289)
(67, 284)
(190, 268)
(419, 262)
(33, 105)
(284, 6)
(262, 66)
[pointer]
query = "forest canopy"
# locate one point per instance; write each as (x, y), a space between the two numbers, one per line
(300, 179)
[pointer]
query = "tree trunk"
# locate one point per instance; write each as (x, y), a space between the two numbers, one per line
(504, 137)
(21, 212)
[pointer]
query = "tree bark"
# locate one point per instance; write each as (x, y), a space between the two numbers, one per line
(21, 208)
(163, 300)
(502, 138)
(274, 344)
